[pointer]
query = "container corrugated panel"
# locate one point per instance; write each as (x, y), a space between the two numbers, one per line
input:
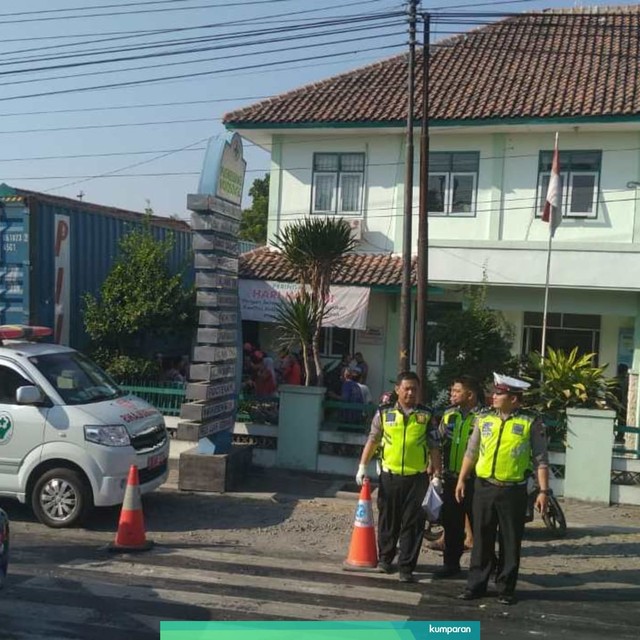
(93, 236)
(14, 264)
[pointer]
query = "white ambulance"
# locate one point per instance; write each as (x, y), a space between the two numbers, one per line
(68, 433)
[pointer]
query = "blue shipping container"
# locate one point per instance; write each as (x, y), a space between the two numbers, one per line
(53, 250)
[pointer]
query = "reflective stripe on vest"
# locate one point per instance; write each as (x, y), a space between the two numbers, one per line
(505, 447)
(404, 441)
(459, 430)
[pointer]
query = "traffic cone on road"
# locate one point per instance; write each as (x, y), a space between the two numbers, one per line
(130, 535)
(363, 553)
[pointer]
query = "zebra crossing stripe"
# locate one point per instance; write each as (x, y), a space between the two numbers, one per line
(235, 605)
(224, 579)
(294, 564)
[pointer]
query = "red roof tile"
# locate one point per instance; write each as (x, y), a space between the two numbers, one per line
(366, 269)
(560, 63)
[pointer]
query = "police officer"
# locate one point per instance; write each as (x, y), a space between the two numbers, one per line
(504, 443)
(406, 436)
(455, 428)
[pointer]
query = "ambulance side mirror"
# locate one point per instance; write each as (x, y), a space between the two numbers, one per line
(29, 395)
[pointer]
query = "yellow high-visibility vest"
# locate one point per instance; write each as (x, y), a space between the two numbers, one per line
(505, 446)
(459, 429)
(404, 440)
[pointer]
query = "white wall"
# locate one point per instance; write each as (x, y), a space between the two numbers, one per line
(507, 183)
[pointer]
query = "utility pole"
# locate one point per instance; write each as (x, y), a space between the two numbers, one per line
(423, 219)
(405, 292)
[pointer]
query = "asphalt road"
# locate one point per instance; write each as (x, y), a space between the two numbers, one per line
(65, 584)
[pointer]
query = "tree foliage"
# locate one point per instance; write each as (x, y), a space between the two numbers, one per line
(315, 248)
(141, 302)
(476, 341)
(253, 223)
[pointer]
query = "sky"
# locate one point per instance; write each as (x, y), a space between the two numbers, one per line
(172, 69)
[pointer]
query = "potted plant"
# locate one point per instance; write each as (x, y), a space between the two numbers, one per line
(315, 249)
(564, 380)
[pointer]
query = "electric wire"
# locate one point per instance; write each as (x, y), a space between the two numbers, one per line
(306, 45)
(109, 14)
(148, 81)
(240, 39)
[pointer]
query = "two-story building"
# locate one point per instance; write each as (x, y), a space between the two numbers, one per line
(497, 96)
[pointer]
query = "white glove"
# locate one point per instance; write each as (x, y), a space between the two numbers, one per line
(436, 483)
(361, 475)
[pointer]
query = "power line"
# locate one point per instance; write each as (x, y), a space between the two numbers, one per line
(366, 214)
(113, 172)
(149, 32)
(162, 79)
(116, 125)
(482, 158)
(100, 6)
(129, 106)
(306, 45)
(113, 154)
(220, 5)
(240, 39)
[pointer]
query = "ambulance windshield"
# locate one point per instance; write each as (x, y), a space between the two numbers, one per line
(76, 378)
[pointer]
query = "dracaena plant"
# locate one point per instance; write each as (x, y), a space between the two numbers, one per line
(564, 380)
(315, 249)
(296, 318)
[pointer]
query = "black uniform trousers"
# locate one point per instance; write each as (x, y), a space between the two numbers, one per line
(453, 514)
(401, 518)
(496, 506)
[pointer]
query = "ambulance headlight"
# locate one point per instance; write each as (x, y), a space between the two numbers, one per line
(111, 435)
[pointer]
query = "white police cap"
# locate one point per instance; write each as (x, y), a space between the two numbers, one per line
(507, 383)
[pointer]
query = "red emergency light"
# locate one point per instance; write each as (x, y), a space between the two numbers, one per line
(23, 332)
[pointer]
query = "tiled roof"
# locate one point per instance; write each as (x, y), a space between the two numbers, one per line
(366, 269)
(581, 62)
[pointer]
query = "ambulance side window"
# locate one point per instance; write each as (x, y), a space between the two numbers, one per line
(10, 380)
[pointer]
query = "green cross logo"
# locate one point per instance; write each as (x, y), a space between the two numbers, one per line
(6, 428)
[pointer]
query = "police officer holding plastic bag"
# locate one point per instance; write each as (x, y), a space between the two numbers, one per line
(504, 443)
(455, 429)
(406, 436)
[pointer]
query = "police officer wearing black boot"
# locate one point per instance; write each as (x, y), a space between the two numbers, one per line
(504, 443)
(455, 428)
(404, 432)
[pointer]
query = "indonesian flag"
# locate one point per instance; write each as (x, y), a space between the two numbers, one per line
(551, 212)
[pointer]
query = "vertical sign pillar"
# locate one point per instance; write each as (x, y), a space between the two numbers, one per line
(208, 415)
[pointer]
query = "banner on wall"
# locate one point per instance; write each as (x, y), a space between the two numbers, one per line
(259, 299)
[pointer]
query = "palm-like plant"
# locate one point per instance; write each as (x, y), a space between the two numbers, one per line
(315, 248)
(563, 380)
(297, 319)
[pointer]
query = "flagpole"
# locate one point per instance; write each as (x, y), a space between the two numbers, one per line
(545, 309)
(554, 210)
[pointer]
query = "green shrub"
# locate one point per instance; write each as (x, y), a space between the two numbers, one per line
(125, 369)
(564, 380)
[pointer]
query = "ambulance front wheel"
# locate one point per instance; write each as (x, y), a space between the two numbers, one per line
(61, 498)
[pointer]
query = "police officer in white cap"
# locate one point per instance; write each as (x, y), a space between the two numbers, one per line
(505, 442)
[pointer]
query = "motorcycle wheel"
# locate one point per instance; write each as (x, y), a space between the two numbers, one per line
(554, 518)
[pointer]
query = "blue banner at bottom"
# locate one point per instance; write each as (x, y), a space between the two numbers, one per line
(307, 630)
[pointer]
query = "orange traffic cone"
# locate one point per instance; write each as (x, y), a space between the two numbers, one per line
(362, 550)
(130, 535)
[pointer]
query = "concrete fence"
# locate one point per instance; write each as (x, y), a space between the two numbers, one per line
(588, 470)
